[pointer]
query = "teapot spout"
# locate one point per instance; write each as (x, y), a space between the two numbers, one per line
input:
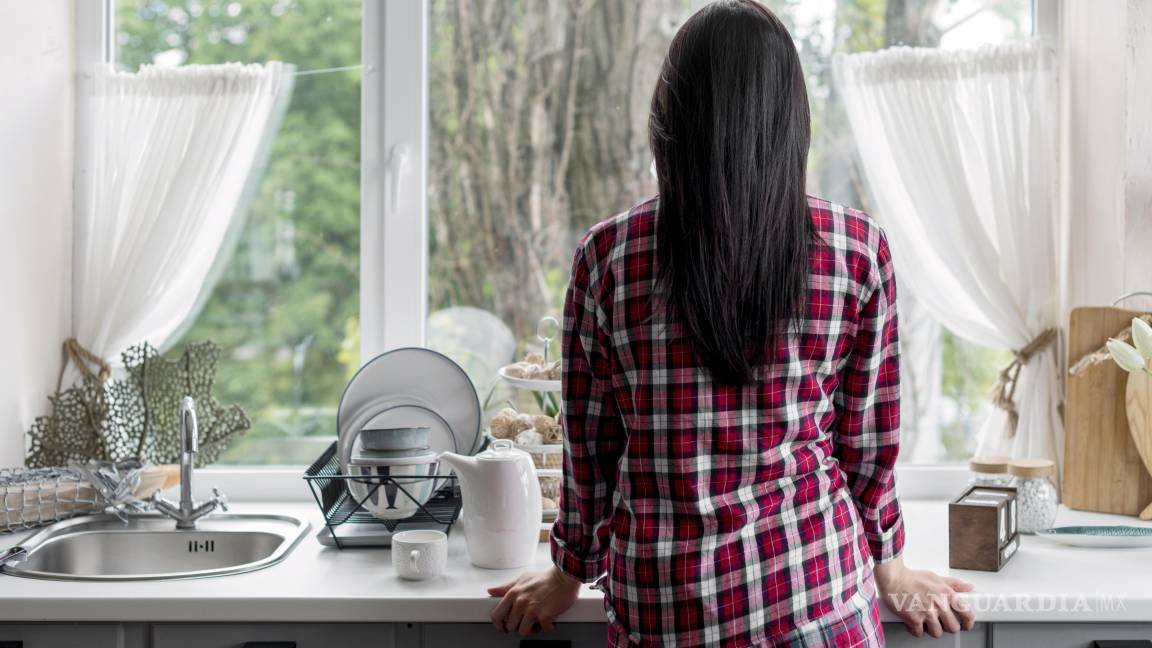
(464, 466)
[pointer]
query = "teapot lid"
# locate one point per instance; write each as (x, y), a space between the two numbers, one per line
(502, 450)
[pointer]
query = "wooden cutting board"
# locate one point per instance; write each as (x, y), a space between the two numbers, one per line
(1103, 470)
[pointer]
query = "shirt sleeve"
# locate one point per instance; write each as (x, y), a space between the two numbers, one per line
(868, 427)
(594, 436)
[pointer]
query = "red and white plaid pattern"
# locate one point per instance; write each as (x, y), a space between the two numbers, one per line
(742, 515)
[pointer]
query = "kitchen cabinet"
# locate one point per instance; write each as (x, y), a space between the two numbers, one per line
(57, 635)
(1068, 635)
(579, 635)
(273, 635)
(897, 637)
(484, 635)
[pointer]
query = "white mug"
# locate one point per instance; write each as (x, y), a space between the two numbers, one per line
(419, 555)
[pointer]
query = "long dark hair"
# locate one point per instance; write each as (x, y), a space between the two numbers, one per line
(729, 129)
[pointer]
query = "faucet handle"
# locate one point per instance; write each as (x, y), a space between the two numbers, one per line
(220, 499)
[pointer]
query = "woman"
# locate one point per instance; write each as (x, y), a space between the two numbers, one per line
(731, 388)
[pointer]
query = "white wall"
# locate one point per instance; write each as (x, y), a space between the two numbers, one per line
(36, 114)
(1106, 55)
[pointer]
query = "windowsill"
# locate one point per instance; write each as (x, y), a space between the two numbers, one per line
(286, 483)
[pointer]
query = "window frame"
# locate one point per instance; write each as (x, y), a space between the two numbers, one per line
(393, 210)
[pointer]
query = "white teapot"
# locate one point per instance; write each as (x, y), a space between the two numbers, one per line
(501, 512)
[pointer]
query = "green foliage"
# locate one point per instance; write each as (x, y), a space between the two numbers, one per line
(137, 416)
(969, 373)
(287, 301)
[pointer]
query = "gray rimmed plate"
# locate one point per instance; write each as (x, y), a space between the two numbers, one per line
(411, 380)
(1112, 537)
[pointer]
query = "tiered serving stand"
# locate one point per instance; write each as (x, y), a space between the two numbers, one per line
(547, 457)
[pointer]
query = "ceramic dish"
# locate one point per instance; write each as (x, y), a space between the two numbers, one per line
(388, 454)
(1112, 537)
(398, 438)
(546, 456)
(395, 413)
(398, 498)
(529, 384)
(369, 458)
(416, 377)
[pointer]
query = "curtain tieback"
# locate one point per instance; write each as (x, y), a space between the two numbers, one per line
(1004, 393)
(88, 363)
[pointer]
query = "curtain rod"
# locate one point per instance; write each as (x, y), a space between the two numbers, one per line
(330, 70)
(316, 71)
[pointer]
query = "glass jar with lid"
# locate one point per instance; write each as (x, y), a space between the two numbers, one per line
(988, 471)
(1036, 494)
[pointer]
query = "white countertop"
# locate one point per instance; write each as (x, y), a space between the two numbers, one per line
(1043, 582)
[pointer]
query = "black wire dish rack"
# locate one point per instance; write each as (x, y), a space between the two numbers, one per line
(340, 507)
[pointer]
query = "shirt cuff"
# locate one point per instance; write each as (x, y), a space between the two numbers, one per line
(585, 570)
(888, 544)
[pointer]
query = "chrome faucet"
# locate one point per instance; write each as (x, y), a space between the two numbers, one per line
(188, 511)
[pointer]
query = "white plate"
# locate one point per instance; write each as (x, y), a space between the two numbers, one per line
(397, 412)
(531, 385)
(545, 449)
(417, 377)
(1111, 537)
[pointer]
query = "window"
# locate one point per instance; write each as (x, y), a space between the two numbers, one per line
(946, 380)
(538, 129)
(284, 306)
(530, 145)
(434, 195)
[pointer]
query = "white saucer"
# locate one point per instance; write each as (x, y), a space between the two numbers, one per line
(529, 384)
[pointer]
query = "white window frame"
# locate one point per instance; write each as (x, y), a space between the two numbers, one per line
(393, 211)
(393, 177)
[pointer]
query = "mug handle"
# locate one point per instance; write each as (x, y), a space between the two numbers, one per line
(412, 557)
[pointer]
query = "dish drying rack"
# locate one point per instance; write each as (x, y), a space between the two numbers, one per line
(339, 507)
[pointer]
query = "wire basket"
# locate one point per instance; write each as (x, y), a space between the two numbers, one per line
(340, 507)
(34, 497)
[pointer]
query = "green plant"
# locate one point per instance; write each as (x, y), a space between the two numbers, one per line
(137, 416)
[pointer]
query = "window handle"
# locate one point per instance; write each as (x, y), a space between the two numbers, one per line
(397, 164)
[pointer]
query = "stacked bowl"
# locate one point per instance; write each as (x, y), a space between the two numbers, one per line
(398, 468)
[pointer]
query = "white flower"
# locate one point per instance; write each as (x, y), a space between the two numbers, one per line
(1126, 355)
(1142, 336)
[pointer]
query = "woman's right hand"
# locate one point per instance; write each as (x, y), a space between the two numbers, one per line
(924, 600)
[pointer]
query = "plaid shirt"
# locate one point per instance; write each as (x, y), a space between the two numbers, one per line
(742, 515)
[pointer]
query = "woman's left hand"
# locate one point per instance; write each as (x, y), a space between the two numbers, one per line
(532, 602)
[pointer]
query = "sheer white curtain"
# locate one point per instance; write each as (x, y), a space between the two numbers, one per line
(959, 151)
(168, 154)
(921, 380)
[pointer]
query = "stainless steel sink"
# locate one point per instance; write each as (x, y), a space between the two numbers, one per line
(149, 547)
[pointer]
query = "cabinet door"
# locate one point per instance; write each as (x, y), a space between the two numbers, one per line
(272, 635)
(896, 636)
(483, 635)
(61, 635)
(1066, 635)
(593, 634)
